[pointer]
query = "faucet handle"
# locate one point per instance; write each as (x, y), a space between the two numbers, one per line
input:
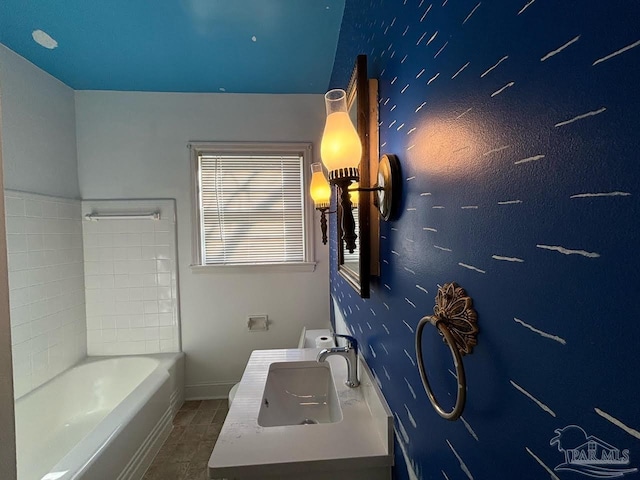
(351, 341)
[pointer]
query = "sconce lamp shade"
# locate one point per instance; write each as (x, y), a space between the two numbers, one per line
(340, 149)
(319, 189)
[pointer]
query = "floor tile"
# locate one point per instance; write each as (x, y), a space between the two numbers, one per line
(163, 456)
(203, 417)
(213, 431)
(203, 452)
(197, 471)
(181, 453)
(191, 405)
(176, 435)
(211, 404)
(175, 471)
(219, 416)
(194, 433)
(186, 452)
(184, 417)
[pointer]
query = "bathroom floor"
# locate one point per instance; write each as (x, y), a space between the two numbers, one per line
(185, 454)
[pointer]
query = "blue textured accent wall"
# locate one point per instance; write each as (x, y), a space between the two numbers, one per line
(516, 124)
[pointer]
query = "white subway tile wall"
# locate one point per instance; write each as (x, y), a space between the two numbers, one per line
(46, 285)
(131, 278)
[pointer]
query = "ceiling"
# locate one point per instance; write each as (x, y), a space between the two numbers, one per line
(239, 46)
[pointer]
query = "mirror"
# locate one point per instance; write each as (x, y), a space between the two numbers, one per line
(357, 267)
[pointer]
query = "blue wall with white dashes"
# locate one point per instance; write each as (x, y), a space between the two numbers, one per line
(516, 125)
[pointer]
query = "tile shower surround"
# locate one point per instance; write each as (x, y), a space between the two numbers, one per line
(46, 286)
(130, 278)
(126, 269)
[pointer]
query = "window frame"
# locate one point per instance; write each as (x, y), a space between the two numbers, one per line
(305, 150)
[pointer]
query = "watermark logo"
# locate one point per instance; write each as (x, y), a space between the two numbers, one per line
(589, 455)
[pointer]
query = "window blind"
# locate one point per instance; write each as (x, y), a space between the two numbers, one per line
(251, 209)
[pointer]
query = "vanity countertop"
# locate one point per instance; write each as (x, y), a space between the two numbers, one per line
(363, 439)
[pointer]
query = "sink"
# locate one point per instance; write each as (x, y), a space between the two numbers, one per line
(299, 393)
(280, 440)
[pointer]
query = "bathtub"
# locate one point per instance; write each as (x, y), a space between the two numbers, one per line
(103, 419)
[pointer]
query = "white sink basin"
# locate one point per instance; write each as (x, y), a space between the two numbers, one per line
(299, 393)
(353, 439)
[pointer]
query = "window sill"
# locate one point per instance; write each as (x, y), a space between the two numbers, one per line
(264, 268)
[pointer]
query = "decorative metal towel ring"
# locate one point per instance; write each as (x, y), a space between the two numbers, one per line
(456, 320)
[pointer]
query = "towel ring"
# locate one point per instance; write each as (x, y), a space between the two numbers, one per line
(456, 321)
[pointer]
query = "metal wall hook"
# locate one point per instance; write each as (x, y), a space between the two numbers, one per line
(456, 321)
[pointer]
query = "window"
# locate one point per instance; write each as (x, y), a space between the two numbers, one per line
(251, 205)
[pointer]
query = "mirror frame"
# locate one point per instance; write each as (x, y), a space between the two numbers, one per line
(364, 92)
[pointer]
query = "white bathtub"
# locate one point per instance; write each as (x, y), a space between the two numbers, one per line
(103, 419)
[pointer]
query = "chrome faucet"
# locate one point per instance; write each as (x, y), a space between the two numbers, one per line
(350, 354)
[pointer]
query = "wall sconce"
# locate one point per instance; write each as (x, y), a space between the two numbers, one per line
(341, 152)
(320, 191)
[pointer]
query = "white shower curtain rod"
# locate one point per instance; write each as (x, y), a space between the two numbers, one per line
(134, 216)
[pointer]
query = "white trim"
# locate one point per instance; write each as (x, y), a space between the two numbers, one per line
(206, 391)
(196, 241)
(262, 268)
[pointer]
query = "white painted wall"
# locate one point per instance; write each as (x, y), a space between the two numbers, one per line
(7, 422)
(134, 145)
(39, 148)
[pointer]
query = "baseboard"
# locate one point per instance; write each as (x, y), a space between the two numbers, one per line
(206, 391)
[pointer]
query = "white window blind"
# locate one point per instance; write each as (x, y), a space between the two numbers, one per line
(251, 208)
